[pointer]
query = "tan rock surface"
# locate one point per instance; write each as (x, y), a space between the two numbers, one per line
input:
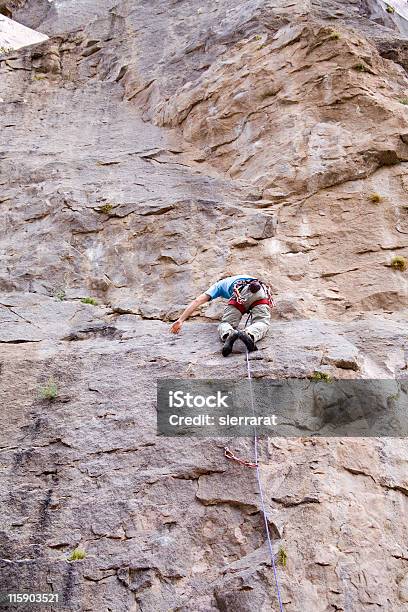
(14, 35)
(147, 150)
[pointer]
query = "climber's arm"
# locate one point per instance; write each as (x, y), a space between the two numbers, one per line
(201, 299)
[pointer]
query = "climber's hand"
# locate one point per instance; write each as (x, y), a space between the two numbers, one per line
(177, 325)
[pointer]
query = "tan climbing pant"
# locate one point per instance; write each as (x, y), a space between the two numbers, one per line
(261, 316)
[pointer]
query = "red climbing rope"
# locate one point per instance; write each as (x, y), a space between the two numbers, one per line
(230, 455)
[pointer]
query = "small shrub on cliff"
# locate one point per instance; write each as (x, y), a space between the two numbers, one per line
(5, 50)
(77, 555)
(399, 263)
(360, 67)
(50, 391)
(403, 100)
(106, 209)
(89, 300)
(375, 198)
(334, 35)
(323, 376)
(59, 294)
(282, 557)
(390, 9)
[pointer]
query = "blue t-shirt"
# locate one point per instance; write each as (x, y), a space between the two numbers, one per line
(225, 287)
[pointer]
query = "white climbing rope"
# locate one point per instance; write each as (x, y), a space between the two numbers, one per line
(260, 489)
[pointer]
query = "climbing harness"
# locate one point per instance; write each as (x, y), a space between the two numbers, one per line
(238, 301)
(255, 464)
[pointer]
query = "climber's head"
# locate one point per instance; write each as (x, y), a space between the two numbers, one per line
(254, 286)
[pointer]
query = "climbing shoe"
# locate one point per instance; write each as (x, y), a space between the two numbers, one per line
(229, 343)
(248, 341)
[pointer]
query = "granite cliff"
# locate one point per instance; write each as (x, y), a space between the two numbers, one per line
(147, 149)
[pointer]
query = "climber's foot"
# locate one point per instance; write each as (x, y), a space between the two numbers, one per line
(229, 343)
(248, 341)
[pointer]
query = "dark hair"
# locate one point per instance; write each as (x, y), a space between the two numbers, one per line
(254, 286)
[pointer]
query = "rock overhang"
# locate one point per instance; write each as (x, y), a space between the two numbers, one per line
(14, 35)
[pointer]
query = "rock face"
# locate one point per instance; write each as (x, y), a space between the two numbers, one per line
(149, 149)
(13, 35)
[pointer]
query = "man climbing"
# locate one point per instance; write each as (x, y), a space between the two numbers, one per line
(244, 294)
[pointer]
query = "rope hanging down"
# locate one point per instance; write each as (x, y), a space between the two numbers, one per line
(255, 465)
(261, 495)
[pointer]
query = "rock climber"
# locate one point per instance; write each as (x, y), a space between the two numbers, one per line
(244, 294)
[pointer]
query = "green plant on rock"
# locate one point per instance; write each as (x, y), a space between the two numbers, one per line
(77, 555)
(89, 300)
(282, 556)
(321, 376)
(390, 9)
(5, 50)
(50, 391)
(258, 37)
(59, 294)
(403, 101)
(399, 263)
(360, 67)
(375, 198)
(334, 35)
(106, 209)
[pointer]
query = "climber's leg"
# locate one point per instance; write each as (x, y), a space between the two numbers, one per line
(260, 322)
(229, 322)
